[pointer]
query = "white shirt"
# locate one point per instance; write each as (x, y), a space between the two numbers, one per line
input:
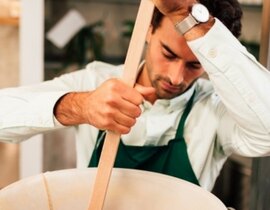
(230, 115)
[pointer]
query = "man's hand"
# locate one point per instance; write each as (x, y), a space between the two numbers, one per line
(177, 10)
(112, 106)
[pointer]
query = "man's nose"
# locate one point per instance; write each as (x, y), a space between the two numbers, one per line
(176, 73)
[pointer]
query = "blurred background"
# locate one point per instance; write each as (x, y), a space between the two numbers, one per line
(36, 45)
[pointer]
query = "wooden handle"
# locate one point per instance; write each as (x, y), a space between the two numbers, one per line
(112, 140)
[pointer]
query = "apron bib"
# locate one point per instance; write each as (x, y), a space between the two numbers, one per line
(171, 159)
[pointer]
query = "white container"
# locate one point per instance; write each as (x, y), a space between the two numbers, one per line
(128, 190)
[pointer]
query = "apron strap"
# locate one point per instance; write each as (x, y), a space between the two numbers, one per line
(180, 130)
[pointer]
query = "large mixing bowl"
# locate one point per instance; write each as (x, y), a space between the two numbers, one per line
(128, 190)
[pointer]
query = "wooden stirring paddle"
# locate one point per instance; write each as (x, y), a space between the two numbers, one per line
(112, 140)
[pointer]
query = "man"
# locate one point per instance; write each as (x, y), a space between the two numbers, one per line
(172, 122)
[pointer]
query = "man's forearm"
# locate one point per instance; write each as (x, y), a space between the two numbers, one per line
(112, 106)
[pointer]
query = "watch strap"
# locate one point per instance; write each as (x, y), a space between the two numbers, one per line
(185, 25)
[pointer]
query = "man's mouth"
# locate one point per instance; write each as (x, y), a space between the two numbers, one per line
(167, 87)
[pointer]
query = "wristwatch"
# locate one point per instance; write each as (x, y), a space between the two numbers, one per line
(199, 14)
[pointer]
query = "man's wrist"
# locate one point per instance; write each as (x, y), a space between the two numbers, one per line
(195, 23)
(68, 109)
(199, 30)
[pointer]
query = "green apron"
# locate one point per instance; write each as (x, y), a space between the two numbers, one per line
(171, 159)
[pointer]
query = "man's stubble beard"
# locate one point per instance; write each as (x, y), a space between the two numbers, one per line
(163, 94)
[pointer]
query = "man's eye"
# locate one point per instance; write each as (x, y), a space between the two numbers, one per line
(194, 66)
(169, 56)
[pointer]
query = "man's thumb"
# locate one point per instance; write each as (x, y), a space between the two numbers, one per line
(144, 90)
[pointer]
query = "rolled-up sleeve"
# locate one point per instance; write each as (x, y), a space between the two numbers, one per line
(28, 110)
(25, 113)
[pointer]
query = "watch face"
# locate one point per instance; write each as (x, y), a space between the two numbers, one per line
(200, 13)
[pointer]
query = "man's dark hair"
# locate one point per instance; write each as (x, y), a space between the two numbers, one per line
(229, 12)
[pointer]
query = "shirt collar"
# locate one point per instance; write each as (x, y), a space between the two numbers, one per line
(179, 101)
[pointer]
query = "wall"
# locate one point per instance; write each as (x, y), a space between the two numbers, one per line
(9, 52)
(9, 71)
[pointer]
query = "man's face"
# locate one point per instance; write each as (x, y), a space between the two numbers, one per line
(171, 67)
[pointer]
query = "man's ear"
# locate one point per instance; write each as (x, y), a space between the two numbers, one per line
(149, 34)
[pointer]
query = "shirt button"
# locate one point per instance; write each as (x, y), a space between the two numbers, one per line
(212, 53)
